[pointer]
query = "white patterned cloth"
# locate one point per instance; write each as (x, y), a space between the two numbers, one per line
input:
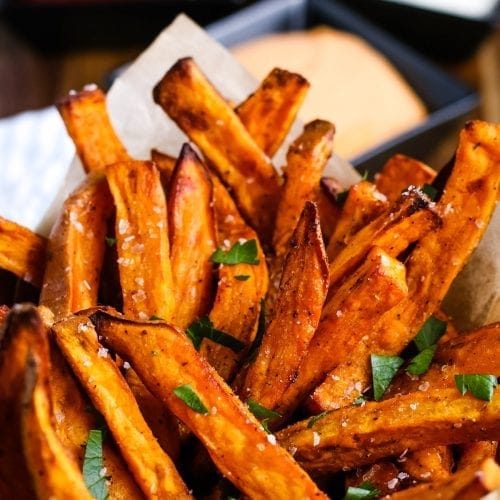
(35, 154)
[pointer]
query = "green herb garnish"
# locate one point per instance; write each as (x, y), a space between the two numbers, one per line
(383, 370)
(364, 491)
(432, 330)
(204, 328)
(421, 362)
(111, 242)
(481, 386)
(315, 418)
(186, 394)
(94, 473)
(262, 413)
(359, 401)
(242, 277)
(430, 191)
(156, 318)
(239, 253)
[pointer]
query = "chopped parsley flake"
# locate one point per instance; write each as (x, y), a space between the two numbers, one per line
(383, 370)
(364, 491)
(239, 253)
(480, 386)
(186, 394)
(315, 418)
(242, 277)
(94, 473)
(204, 328)
(432, 330)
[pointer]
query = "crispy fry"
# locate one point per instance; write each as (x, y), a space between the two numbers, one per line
(190, 100)
(269, 113)
(165, 360)
(329, 210)
(237, 303)
(88, 124)
(303, 288)
(473, 454)
(55, 473)
(142, 240)
(465, 207)
(164, 163)
(401, 171)
(469, 484)
(22, 331)
(429, 464)
(74, 420)
(363, 204)
(407, 220)
(22, 252)
(306, 159)
(152, 468)
(353, 436)
(375, 287)
(191, 224)
(380, 475)
(76, 249)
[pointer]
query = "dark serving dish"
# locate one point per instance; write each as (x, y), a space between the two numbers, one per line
(448, 101)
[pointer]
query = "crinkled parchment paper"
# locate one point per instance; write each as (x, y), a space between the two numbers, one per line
(142, 125)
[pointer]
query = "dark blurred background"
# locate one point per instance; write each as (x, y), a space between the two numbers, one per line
(48, 47)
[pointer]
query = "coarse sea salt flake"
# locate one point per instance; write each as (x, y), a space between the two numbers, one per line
(392, 483)
(102, 352)
(316, 439)
(123, 226)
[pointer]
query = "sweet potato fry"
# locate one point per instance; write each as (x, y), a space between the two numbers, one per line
(23, 331)
(88, 124)
(76, 249)
(190, 100)
(74, 420)
(269, 113)
(305, 161)
(302, 291)
(379, 475)
(166, 361)
(142, 240)
(363, 204)
(404, 222)
(465, 208)
(55, 474)
(469, 484)
(429, 464)
(375, 287)
(191, 224)
(462, 354)
(353, 436)
(152, 468)
(401, 171)
(22, 252)
(237, 302)
(165, 165)
(329, 211)
(473, 454)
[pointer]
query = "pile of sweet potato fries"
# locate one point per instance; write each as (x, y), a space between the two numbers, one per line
(206, 328)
